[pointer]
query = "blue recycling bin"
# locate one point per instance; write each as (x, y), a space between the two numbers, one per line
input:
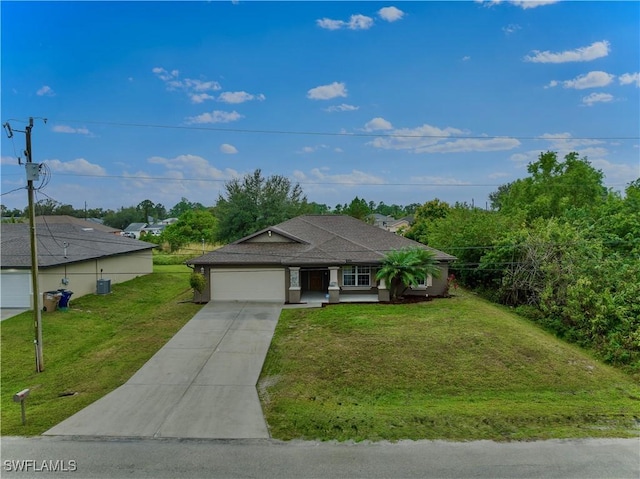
(63, 304)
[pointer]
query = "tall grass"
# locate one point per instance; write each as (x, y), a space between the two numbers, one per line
(164, 256)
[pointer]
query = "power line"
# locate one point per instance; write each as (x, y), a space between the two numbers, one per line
(302, 183)
(338, 134)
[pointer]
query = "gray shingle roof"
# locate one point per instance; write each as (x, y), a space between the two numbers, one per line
(52, 219)
(82, 244)
(323, 240)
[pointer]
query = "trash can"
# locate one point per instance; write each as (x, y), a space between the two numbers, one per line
(65, 296)
(50, 301)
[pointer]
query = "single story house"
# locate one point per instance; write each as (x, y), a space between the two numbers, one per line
(94, 223)
(134, 230)
(333, 256)
(72, 255)
(389, 223)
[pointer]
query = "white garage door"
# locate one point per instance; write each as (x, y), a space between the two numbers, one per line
(16, 289)
(248, 285)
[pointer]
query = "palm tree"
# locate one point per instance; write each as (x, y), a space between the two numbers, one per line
(407, 267)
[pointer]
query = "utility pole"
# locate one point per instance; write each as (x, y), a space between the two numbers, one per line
(33, 174)
(37, 313)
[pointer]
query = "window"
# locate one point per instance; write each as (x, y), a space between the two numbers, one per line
(356, 276)
(424, 283)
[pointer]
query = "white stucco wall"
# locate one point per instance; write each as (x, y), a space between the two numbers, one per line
(83, 276)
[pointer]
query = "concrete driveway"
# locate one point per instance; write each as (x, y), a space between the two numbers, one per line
(201, 384)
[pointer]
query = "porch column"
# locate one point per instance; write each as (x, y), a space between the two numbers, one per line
(383, 292)
(294, 284)
(334, 288)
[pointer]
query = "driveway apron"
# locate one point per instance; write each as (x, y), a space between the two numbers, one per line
(201, 384)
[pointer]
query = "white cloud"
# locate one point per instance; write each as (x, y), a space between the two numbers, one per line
(413, 139)
(595, 79)
(192, 166)
(597, 98)
(511, 28)
(311, 149)
(355, 177)
(342, 107)
(216, 116)
(618, 173)
(239, 97)
(327, 92)
(524, 4)
(228, 149)
(200, 97)
(471, 144)
(630, 79)
(378, 123)
(437, 181)
(431, 139)
(466, 58)
(565, 142)
(45, 91)
(68, 129)
(195, 89)
(78, 166)
(356, 22)
(8, 160)
(329, 24)
(582, 54)
(390, 14)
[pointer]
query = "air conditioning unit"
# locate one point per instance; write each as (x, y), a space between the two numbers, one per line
(103, 286)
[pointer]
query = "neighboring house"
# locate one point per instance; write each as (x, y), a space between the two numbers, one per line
(92, 223)
(168, 221)
(134, 230)
(71, 255)
(154, 229)
(400, 226)
(381, 221)
(330, 255)
(391, 224)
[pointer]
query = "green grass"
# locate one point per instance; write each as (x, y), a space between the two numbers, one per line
(454, 369)
(90, 349)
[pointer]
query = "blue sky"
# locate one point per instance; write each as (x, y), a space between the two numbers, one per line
(399, 102)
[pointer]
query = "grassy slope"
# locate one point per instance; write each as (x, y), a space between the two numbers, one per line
(455, 369)
(90, 349)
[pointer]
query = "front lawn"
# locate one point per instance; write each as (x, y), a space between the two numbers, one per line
(455, 369)
(91, 349)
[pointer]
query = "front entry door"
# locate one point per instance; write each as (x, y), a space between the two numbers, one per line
(316, 280)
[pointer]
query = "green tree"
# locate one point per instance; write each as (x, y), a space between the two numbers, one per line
(192, 227)
(407, 267)
(122, 218)
(358, 208)
(552, 188)
(183, 206)
(253, 203)
(44, 207)
(469, 233)
(146, 209)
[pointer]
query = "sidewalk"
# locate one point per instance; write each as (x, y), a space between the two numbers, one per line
(201, 384)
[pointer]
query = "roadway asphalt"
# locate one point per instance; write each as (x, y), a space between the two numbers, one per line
(201, 384)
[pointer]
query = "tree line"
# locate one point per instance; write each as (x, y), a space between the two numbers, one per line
(557, 245)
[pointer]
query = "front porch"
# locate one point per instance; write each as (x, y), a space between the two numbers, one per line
(310, 297)
(318, 285)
